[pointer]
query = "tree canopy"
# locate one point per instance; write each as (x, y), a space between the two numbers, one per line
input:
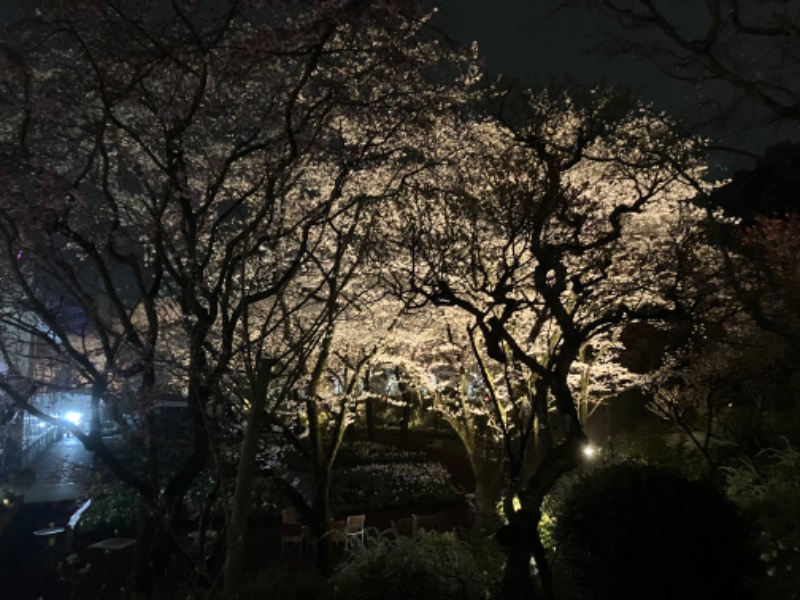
(251, 208)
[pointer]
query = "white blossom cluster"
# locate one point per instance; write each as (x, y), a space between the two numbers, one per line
(401, 480)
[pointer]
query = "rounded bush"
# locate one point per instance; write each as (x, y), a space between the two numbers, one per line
(633, 531)
(427, 566)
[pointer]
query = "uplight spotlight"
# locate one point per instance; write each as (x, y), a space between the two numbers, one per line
(590, 451)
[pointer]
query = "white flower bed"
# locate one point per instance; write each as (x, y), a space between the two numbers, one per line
(365, 452)
(394, 484)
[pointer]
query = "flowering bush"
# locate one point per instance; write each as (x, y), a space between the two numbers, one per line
(364, 452)
(391, 485)
(767, 490)
(428, 565)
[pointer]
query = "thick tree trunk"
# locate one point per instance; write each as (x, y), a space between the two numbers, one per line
(320, 466)
(369, 405)
(145, 576)
(489, 483)
(245, 473)
(518, 537)
(322, 524)
(521, 536)
(405, 420)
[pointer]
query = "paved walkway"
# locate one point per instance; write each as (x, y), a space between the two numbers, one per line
(63, 472)
(29, 561)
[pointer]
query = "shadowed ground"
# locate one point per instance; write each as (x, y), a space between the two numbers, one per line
(29, 564)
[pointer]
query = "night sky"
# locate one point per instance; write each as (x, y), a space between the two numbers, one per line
(537, 41)
(533, 41)
(541, 42)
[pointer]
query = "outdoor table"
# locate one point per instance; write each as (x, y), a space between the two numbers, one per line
(48, 531)
(114, 544)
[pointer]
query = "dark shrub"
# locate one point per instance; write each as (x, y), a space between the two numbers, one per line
(633, 532)
(427, 566)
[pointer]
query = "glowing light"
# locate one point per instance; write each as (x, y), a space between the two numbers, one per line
(516, 503)
(6, 502)
(590, 451)
(73, 417)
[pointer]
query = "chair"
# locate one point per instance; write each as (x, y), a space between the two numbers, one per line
(292, 532)
(288, 515)
(354, 528)
(339, 532)
(406, 526)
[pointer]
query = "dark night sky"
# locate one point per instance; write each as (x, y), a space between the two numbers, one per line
(535, 41)
(541, 42)
(530, 40)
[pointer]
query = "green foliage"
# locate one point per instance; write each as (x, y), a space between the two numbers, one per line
(8, 498)
(364, 452)
(113, 505)
(113, 509)
(279, 584)
(390, 414)
(266, 499)
(547, 525)
(634, 531)
(768, 492)
(661, 445)
(197, 496)
(427, 566)
(555, 500)
(781, 400)
(391, 485)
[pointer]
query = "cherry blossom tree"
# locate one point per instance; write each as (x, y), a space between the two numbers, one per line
(550, 226)
(197, 183)
(320, 336)
(438, 353)
(737, 58)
